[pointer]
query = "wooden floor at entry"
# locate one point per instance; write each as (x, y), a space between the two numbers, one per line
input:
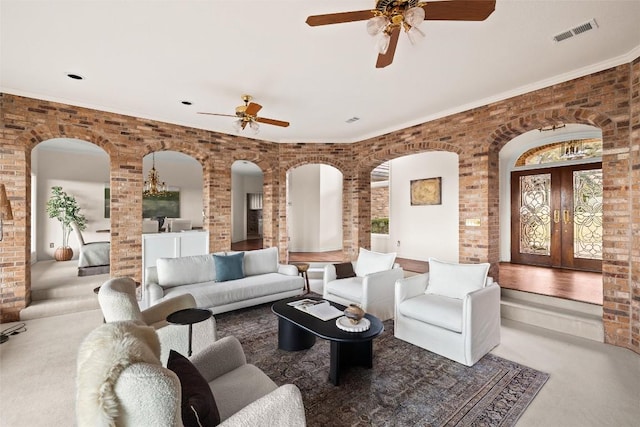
(569, 284)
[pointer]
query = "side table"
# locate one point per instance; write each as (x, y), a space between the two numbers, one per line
(303, 268)
(189, 316)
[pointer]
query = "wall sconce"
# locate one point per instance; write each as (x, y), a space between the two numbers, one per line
(5, 208)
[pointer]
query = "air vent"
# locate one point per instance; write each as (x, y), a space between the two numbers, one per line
(353, 119)
(583, 28)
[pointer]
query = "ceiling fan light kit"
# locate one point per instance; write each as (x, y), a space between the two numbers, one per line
(247, 114)
(389, 16)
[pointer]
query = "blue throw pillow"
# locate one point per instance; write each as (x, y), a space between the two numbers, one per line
(228, 267)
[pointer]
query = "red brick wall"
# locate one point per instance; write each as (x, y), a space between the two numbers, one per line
(608, 100)
(380, 202)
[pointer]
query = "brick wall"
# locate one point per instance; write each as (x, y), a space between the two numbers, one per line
(380, 202)
(608, 100)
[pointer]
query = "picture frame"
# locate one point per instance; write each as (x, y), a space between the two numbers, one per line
(426, 191)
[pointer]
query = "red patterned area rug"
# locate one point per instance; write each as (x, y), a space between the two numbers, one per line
(408, 386)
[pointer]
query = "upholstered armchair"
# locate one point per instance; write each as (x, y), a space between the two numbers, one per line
(118, 301)
(93, 257)
(121, 382)
(368, 282)
(454, 311)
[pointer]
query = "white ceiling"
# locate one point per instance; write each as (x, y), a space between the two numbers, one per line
(142, 58)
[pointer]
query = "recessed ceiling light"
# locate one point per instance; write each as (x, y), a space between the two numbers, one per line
(186, 102)
(75, 76)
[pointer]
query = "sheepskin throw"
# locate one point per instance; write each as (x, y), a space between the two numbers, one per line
(105, 353)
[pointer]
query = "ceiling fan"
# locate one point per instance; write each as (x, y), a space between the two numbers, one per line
(247, 115)
(389, 16)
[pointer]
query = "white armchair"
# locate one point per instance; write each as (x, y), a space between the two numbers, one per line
(117, 298)
(93, 257)
(454, 311)
(371, 286)
(121, 382)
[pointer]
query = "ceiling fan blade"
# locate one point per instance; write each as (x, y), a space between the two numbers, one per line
(216, 114)
(252, 109)
(387, 58)
(272, 122)
(459, 10)
(339, 18)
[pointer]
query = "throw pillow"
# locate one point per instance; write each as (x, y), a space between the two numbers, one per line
(344, 270)
(228, 267)
(199, 408)
(372, 262)
(455, 280)
(261, 261)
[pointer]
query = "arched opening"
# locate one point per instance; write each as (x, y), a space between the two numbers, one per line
(247, 181)
(551, 200)
(314, 212)
(81, 169)
(180, 179)
(423, 200)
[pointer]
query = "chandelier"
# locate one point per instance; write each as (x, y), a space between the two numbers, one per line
(391, 14)
(153, 187)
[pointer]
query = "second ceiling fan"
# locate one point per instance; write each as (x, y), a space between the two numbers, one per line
(247, 115)
(389, 16)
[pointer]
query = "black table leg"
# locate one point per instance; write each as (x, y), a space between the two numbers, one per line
(349, 354)
(292, 337)
(190, 337)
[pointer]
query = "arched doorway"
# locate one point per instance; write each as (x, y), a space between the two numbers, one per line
(551, 200)
(314, 210)
(247, 182)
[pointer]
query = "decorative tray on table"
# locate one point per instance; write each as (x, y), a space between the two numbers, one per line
(346, 325)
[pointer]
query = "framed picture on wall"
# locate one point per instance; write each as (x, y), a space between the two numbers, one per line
(426, 191)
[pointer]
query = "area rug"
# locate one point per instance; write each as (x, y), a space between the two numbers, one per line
(407, 386)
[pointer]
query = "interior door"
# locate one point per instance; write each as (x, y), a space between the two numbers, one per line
(556, 217)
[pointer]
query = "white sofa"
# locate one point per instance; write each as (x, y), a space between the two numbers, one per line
(454, 311)
(264, 280)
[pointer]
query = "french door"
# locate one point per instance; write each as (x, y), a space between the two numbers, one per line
(556, 217)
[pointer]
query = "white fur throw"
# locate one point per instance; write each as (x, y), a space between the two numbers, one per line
(105, 353)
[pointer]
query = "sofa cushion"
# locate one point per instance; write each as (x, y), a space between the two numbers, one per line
(372, 262)
(261, 261)
(210, 294)
(344, 270)
(240, 387)
(349, 288)
(229, 267)
(455, 280)
(436, 310)
(199, 407)
(185, 270)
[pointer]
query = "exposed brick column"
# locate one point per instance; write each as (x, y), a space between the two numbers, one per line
(635, 205)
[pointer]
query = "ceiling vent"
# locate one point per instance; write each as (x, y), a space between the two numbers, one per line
(352, 119)
(583, 28)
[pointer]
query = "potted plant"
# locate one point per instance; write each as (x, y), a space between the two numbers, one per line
(65, 209)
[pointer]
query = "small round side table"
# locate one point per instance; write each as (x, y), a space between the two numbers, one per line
(303, 268)
(189, 316)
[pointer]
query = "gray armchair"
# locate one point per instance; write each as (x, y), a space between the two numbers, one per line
(93, 257)
(121, 382)
(117, 298)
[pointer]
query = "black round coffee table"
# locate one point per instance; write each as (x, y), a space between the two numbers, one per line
(189, 316)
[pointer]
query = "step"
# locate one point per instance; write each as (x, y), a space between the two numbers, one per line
(557, 314)
(71, 290)
(54, 307)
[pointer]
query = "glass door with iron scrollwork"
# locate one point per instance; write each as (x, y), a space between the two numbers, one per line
(556, 217)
